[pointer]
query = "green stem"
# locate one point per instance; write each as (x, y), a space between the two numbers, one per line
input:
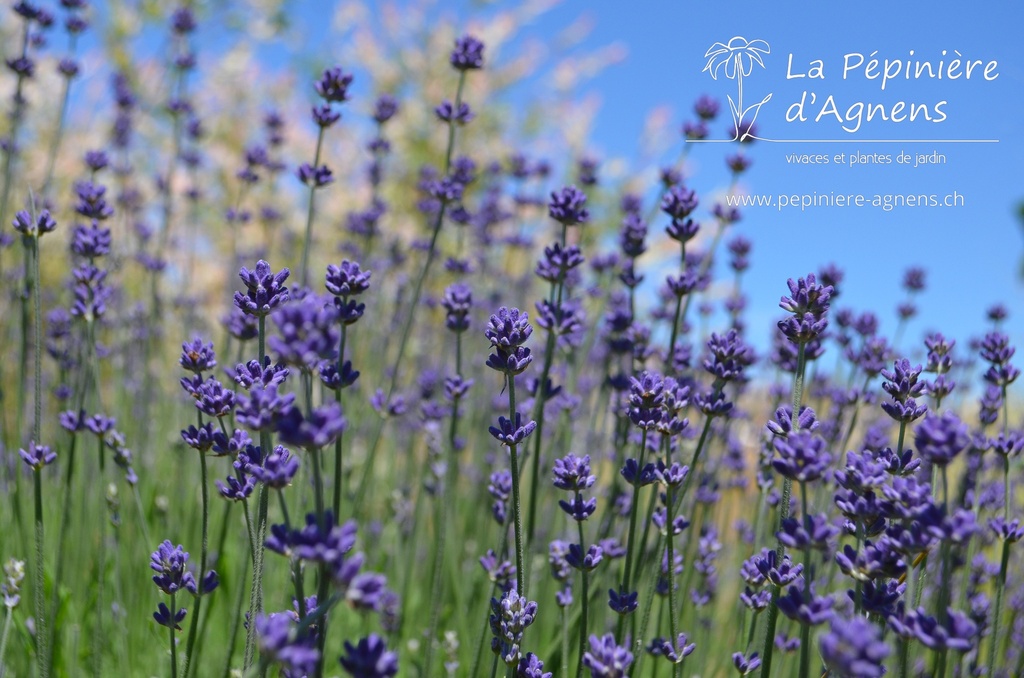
(670, 539)
(174, 647)
(516, 514)
(3, 640)
(805, 629)
(259, 534)
(309, 211)
(338, 467)
(538, 416)
(42, 655)
(583, 599)
(631, 538)
(787, 489)
(190, 645)
(1000, 586)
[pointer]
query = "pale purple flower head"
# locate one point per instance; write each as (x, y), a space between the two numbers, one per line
(854, 647)
(606, 659)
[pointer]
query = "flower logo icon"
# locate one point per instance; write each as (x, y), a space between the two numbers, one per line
(736, 59)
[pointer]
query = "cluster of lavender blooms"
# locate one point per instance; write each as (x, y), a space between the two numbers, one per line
(395, 454)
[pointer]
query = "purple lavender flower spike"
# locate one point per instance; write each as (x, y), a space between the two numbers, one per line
(265, 290)
(606, 659)
(468, 54)
(854, 648)
(568, 206)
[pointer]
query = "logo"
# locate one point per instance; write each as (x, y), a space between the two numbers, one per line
(736, 59)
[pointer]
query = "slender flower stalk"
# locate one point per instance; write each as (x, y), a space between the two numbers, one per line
(809, 304)
(467, 56)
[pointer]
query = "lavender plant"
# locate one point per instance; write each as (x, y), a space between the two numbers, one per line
(846, 503)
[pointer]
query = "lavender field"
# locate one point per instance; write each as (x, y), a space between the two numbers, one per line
(373, 368)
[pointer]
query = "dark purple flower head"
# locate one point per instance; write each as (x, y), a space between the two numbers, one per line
(183, 21)
(901, 383)
(507, 331)
(468, 54)
(323, 425)
(508, 620)
(679, 202)
(29, 228)
(663, 647)
(572, 473)
(672, 476)
(90, 241)
(307, 333)
(1006, 531)
(384, 108)
(211, 398)
(347, 279)
(957, 632)
(509, 433)
(606, 659)
(276, 470)
(531, 667)
(200, 439)
(558, 262)
(863, 472)
(801, 456)
(253, 374)
(324, 116)
(163, 616)
(940, 439)
(578, 508)
(92, 202)
(778, 573)
(997, 350)
(447, 112)
(235, 489)
(587, 169)
(170, 563)
(586, 562)
(873, 561)
(282, 643)
(622, 602)
(745, 665)
(782, 425)
(809, 303)
(37, 456)
(326, 543)
(457, 301)
(315, 177)
(100, 424)
(804, 607)
(265, 290)
(853, 647)
(197, 357)
(634, 475)
(756, 601)
(568, 206)
(333, 85)
(738, 162)
(695, 131)
(913, 279)
(705, 107)
(1008, 444)
(369, 658)
(730, 356)
(818, 533)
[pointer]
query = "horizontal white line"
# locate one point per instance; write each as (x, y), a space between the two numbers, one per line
(848, 141)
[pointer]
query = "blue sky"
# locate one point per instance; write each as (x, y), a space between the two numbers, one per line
(972, 253)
